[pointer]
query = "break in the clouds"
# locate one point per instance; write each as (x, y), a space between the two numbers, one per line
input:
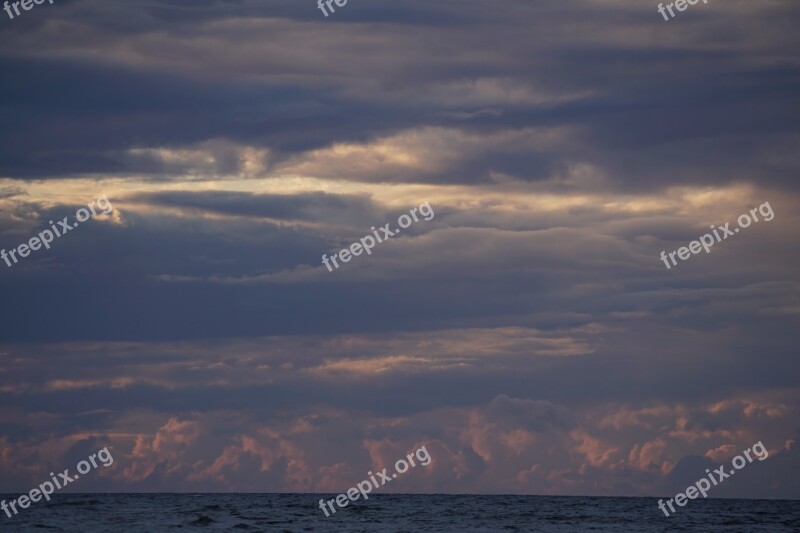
(528, 335)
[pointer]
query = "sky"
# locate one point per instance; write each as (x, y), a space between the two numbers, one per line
(529, 334)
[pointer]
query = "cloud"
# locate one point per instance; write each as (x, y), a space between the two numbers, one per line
(528, 335)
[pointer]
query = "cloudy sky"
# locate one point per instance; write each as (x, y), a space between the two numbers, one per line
(529, 334)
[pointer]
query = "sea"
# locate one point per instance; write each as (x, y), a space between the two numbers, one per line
(128, 513)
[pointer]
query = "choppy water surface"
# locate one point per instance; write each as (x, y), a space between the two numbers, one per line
(386, 512)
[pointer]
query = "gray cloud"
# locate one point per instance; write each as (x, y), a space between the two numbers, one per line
(528, 334)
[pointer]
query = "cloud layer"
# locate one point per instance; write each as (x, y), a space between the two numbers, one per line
(528, 335)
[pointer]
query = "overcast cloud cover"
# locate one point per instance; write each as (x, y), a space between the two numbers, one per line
(528, 335)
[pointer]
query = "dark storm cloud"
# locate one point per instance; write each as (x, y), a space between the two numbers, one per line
(307, 207)
(44, 139)
(247, 276)
(721, 105)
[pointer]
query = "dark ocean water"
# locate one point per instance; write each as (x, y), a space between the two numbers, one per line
(387, 512)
